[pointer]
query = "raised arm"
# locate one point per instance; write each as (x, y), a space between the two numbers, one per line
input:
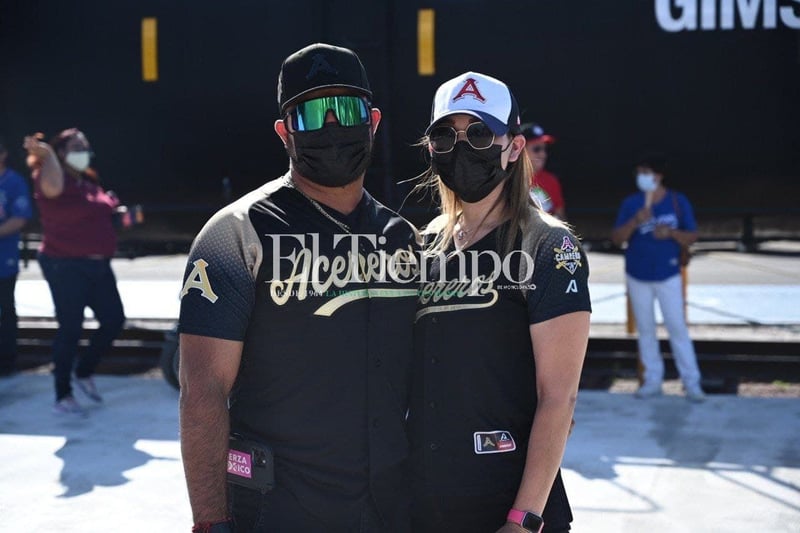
(47, 169)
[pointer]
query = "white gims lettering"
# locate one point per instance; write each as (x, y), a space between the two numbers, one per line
(198, 279)
(721, 14)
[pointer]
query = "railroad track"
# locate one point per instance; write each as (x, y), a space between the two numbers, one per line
(136, 350)
(723, 362)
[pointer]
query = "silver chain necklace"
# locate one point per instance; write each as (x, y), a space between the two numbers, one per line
(360, 265)
(319, 208)
(462, 232)
(465, 234)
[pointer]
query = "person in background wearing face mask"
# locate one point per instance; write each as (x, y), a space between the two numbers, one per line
(501, 332)
(15, 211)
(656, 222)
(78, 242)
(545, 186)
(302, 293)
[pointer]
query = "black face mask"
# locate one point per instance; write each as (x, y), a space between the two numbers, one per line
(471, 174)
(332, 156)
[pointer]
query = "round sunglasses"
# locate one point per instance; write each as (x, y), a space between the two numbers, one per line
(443, 139)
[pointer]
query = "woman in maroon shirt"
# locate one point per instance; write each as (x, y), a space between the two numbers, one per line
(78, 241)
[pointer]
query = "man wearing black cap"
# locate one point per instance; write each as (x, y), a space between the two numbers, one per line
(296, 321)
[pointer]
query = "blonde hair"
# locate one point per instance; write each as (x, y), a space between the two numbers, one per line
(515, 198)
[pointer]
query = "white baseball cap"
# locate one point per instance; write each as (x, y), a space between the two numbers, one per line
(481, 96)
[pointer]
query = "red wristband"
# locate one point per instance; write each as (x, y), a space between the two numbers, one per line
(208, 527)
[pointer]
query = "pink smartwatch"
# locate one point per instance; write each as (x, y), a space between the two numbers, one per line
(530, 521)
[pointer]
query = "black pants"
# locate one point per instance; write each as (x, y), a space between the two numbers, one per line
(8, 325)
(279, 511)
(77, 283)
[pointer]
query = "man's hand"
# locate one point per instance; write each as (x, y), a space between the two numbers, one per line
(224, 526)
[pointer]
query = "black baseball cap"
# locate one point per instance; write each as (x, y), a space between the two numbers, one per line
(320, 66)
(534, 132)
(655, 161)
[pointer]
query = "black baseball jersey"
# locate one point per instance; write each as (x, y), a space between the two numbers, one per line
(324, 305)
(474, 387)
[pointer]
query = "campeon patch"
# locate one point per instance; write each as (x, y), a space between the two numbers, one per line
(567, 256)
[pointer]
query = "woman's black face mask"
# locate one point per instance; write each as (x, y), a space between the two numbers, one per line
(334, 155)
(471, 174)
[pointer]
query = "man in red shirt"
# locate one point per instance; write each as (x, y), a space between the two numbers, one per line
(545, 187)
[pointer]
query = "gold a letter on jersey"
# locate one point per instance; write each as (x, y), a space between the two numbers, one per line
(198, 279)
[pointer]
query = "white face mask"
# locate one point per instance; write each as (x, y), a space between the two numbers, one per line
(78, 160)
(646, 182)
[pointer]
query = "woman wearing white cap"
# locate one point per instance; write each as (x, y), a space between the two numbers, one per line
(501, 329)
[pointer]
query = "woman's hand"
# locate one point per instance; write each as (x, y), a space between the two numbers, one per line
(510, 527)
(47, 169)
(662, 232)
(643, 215)
(37, 148)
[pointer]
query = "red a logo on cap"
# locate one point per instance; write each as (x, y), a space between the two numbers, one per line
(470, 87)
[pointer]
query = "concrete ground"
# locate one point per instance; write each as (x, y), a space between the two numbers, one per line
(661, 465)
(117, 470)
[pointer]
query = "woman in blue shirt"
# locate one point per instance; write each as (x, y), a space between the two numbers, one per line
(656, 223)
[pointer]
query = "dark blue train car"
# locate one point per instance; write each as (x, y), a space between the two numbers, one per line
(179, 99)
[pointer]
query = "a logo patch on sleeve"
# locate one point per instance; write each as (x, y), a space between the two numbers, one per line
(494, 442)
(198, 279)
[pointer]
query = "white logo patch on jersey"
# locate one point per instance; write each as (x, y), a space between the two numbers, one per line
(198, 279)
(499, 441)
(572, 287)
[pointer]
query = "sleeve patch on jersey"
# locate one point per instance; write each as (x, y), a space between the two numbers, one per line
(198, 279)
(572, 287)
(567, 256)
(494, 442)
